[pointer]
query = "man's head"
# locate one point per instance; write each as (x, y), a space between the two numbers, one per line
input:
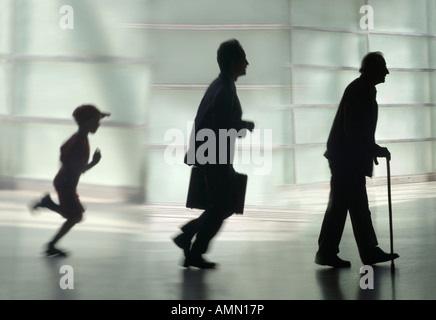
(231, 58)
(374, 67)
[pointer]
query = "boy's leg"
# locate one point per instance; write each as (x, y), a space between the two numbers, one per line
(63, 231)
(71, 209)
(51, 249)
(47, 202)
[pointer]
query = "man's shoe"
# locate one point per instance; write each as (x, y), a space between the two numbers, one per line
(183, 242)
(198, 262)
(331, 260)
(377, 255)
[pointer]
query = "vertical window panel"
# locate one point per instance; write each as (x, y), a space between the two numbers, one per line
(4, 88)
(5, 26)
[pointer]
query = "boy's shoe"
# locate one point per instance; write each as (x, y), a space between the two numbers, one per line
(55, 252)
(42, 203)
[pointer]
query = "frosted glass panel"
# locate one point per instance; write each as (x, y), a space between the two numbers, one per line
(170, 181)
(175, 109)
(4, 86)
(35, 152)
(400, 15)
(34, 149)
(265, 178)
(55, 89)
(434, 158)
(312, 125)
(405, 87)
(312, 165)
(149, 63)
(328, 14)
(327, 48)
(171, 109)
(402, 52)
(321, 86)
(408, 158)
(267, 108)
(7, 157)
(432, 86)
(431, 23)
(97, 28)
(433, 121)
(122, 161)
(182, 56)
(5, 26)
(432, 53)
(404, 123)
(218, 12)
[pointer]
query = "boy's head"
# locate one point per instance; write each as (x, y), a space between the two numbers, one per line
(88, 114)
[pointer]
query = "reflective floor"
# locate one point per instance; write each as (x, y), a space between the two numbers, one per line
(124, 251)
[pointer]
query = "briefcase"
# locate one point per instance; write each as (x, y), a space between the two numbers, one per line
(198, 197)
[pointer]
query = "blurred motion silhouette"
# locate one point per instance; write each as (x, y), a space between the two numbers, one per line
(219, 110)
(351, 150)
(74, 158)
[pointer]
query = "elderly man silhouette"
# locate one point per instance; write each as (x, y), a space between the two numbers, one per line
(351, 151)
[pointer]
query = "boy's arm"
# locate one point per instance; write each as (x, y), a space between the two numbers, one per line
(95, 159)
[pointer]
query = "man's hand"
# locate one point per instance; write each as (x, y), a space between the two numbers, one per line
(249, 125)
(382, 153)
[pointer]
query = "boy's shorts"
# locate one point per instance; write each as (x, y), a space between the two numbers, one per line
(70, 206)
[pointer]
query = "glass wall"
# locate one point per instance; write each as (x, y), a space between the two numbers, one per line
(148, 62)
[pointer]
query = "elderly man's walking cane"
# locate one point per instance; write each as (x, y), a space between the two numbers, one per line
(390, 213)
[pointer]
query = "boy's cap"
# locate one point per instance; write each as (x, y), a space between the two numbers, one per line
(88, 111)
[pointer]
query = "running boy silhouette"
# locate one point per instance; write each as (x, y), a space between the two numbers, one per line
(74, 158)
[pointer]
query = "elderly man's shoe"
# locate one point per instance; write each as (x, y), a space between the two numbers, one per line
(331, 260)
(377, 255)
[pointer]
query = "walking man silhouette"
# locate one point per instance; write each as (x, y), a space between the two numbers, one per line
(219, 110)
(351, 150)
